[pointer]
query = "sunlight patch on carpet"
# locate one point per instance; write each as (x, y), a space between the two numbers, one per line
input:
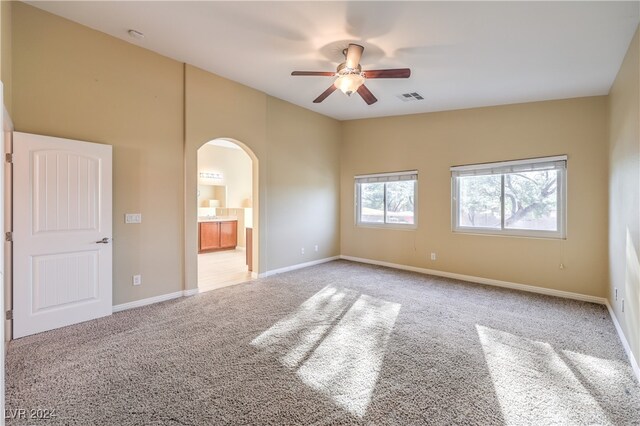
(336, 342)
(299, 333)
(346, 364)
(534, 385)
(608, 378)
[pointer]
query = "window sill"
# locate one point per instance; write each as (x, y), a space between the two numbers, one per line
(395, 227)
(542, 235)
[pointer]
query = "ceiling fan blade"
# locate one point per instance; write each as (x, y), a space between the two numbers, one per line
(367, 95)
(320, 73)
(354, 52)
(325, 94)
(391, 73)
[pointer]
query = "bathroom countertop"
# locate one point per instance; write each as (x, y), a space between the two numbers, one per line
(216, 218)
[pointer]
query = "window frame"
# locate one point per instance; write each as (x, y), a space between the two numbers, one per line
(392, 177)
(494, 168)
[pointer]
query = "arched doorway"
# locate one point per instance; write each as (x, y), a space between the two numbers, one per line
(226, 185)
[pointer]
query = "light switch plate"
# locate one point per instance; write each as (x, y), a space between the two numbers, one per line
(133, 218)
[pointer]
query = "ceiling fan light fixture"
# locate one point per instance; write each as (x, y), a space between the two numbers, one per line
(349, 83)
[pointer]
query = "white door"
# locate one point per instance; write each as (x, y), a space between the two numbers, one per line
(2, 205)
(61, 232)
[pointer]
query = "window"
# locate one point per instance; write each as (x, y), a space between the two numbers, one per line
(387, 200)
(522, 197)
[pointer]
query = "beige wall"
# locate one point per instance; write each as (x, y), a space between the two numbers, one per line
(431, 143)
(624, 195)
(294, 149)
(210, 115)
(303, 185)
(235, 166)
(6, 51)
(74, 82)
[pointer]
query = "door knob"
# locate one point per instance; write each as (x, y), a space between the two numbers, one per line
(105, 240)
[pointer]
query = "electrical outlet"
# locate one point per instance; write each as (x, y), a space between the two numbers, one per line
(133, 218)
(137, 279)
(302, 250)
(561, 266)
(615, 292)
(433, 256)
(315, 247)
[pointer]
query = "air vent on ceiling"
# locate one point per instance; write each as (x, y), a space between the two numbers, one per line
(413, 96)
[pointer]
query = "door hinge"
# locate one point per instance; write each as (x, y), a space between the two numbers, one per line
(8, 157)
(9, 314)
(8, 236)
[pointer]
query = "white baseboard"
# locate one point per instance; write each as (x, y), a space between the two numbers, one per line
(151, 300)
(191, 292)
(625, 342)
(481, 280)
(298, 266)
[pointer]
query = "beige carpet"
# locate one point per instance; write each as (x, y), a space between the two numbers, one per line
(339, 343)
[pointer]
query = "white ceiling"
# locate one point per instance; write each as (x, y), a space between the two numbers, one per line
(461, 54)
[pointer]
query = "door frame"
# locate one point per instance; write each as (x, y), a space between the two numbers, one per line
(6, 126)
(7, 197)
(191, 213)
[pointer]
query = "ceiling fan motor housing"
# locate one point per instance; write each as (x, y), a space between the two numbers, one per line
(344, 69)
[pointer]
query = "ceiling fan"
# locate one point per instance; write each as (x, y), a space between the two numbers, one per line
(350, 77)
